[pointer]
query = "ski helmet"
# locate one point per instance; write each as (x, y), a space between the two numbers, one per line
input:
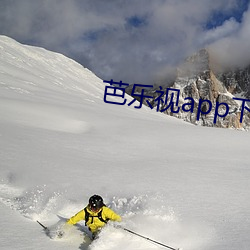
(96, 202)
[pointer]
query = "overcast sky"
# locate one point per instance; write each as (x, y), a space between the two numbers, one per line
(135, 41)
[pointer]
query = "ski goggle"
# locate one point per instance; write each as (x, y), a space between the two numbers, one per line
(94, 208)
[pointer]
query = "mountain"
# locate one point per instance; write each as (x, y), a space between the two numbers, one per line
(198, 79)
(237, 81)
(182, 185)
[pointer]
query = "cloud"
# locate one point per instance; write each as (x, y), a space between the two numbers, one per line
(228, 28)
(233, 49)
(134, 41)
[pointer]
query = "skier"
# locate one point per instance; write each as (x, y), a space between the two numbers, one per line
(95, 214)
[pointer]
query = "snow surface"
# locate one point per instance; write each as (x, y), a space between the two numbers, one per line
(182, 185)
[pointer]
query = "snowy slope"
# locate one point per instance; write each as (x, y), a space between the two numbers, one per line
(179, 184)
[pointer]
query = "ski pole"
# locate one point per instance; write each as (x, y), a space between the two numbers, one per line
(146, 238)
(45, 228)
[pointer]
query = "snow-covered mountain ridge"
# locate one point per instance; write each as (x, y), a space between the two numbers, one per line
(42, 77)
(22, 60)
(182, 185)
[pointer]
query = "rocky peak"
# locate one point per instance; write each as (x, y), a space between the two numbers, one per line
(196, 79)
(197, 64)
(237, 81)
(198, 67)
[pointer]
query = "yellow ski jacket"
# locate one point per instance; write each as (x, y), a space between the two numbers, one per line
(94, 223)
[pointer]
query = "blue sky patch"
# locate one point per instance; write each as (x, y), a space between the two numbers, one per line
(219, 17)
(136, 21)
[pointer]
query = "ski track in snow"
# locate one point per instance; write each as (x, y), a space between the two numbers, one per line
(42, 116)
(145, 214)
